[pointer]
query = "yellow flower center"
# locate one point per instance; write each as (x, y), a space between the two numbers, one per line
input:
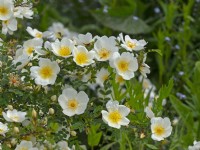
(81, 58)
(38, 35)
(114, 116)
(3, 10)
(123, 65)
(23, 148)
(72, 104)
(46, 72)
(104, 53)
(1, 131)
(131, 45)
(64, 51)
(158, 130)
(30, 50)
(15, 118)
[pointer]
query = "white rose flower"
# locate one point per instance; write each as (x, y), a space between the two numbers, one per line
(82, 56)
(104, 48)
(84, 39)
(72, 102)
(125, 65)
(3, 128)
(116, 114)
(21, 12)
(46, 72)
(14, 116)
(63, 145)
(33, 45)
(6, 9)
(101, 76)
(22, 58)
(196, 146)
(25, 145)
(63, 48)
(132, 44)
(9, 26)
(160, 128)
(149, 112)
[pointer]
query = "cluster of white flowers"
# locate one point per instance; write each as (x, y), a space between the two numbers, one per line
(9, 12)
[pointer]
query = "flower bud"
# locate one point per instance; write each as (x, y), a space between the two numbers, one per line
(142, 135)
(51, 111)
(13, 141)
(10, 107)
(73, 133)
(16, 130)
(34, 113)
(54, 98)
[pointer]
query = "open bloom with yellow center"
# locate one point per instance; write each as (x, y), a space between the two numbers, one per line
(25, 145)
(116, 114)
(33, 45)
(6, 9)
(125, 65)
(82, 56)
(104, 48)
(132, 44)
(72, 102)
(14, 116)
(3, 128)
(63, 48)
(101, 76)
(9, 26)
(34, 32)
(160, 128)
(46, 72)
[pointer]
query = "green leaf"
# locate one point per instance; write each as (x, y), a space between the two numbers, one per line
(156, 50)
(128, 25)
(184, 112)
(151, 146)
(94, 137)
(164, 92)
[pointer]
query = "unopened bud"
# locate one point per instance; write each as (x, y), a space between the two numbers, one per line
(34, 113)
(16, 130)
(73, 133)
(54, 98)
(13, 141)
(142, 135)
(51, 111)
(10, 107)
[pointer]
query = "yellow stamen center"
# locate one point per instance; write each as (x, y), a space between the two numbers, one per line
(131, 45)
(64, 51)
(104, 53)
(3, 10)
(46, 72)
(81, 58)
(72, 104)
(23, 148)
(38, 35)
(30, 50)
(159, 130)
(114, 116)
(105, 77)
(123, 65)
(15, 118)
